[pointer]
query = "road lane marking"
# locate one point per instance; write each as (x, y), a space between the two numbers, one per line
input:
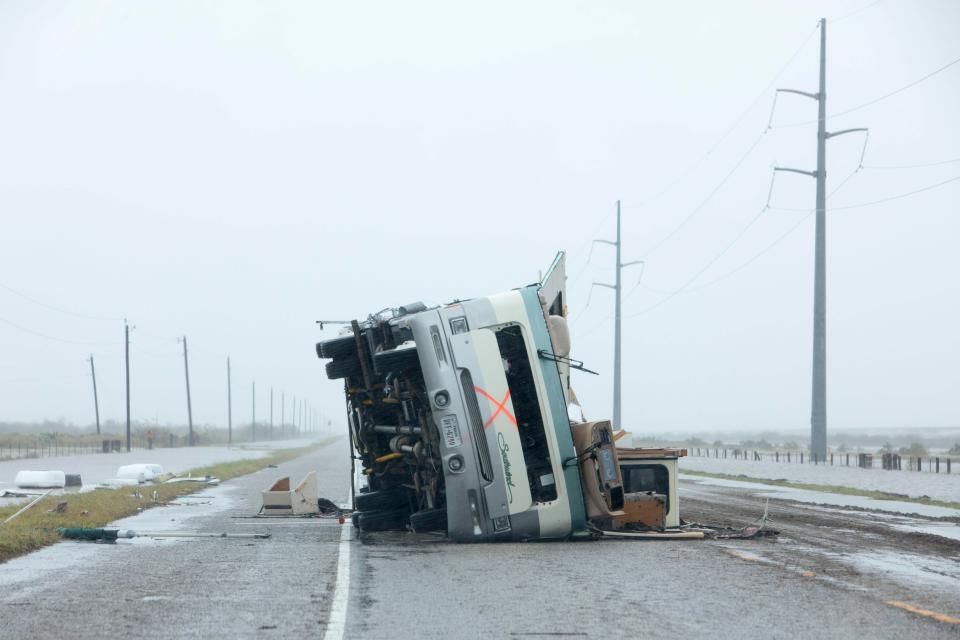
(942, 617)
(337, 622)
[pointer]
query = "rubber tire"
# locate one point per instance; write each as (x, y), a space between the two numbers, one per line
(396, 360)
(429, 520)
(337, 347)
(395, 520)
(343, 368)
(382, 500)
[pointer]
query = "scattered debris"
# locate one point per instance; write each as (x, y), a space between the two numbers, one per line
(140, 472)
(28, 506)
(280, 500)
(112, 535)
(719, 532)
(60, 508)
(16, 494)
(40, 479)
(666, 534)
(210, 480)
(120, 482)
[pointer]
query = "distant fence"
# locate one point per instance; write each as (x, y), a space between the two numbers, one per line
(888, 461)
(45, 449)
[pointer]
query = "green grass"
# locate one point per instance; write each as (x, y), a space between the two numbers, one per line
(38, 527)
(828, 488)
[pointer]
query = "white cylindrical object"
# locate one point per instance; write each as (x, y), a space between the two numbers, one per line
(40, 479)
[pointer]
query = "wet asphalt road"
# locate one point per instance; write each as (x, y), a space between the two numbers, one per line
(405, 586)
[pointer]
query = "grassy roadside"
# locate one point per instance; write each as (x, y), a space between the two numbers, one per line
(37, 527)
(827, 488)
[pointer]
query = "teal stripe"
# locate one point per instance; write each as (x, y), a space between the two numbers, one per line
(557, 405)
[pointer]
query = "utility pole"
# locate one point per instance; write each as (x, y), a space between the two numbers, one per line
(271, 413)
(617, 289)
(96, 402)
(126, 359)
(229, 406)
(283, 410)
(818, 411)
(186, 373)
(253, 414)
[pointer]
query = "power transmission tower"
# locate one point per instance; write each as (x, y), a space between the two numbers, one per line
(818, 412)
(96, 402)
(617, 289)
(186, 373)
(253, 414)
(271, 413)
(229, 406)
(126, 359)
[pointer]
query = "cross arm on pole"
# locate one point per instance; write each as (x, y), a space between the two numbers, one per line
(832, 134)
(813, 96)
(812, 174)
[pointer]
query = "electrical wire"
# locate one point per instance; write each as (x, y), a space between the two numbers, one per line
(875, 100)
(833, 21)
(880, 201)
(57, 309)
(49, 337)
(706, 200)
(683, 174)
(732, 127)
(911, 166)
(744, 265)
(709, 264)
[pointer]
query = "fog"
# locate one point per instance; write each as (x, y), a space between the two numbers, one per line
(234, 171)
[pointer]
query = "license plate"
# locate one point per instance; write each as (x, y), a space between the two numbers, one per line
(451, 431)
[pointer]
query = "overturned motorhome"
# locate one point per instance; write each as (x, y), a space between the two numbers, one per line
(458, 418)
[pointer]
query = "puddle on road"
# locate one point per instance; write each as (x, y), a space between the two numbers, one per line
(916, 569)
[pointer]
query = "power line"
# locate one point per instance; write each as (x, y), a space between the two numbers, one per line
(834, 21)
(57, 309)
(882, 200)
(875, 100)
(911, 166)
(732, 127)
(706, 200)
(49, 337)
(683, 174)
(709, 264)
(767, 248)
(744, 265)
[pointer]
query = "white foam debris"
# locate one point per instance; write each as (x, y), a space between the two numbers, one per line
(41, 479)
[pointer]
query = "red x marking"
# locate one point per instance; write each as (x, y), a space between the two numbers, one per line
(501, 406)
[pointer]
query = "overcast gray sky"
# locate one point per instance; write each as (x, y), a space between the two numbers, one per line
(233, 171)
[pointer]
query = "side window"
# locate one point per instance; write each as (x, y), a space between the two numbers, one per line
(644, 478)
(523, 394)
